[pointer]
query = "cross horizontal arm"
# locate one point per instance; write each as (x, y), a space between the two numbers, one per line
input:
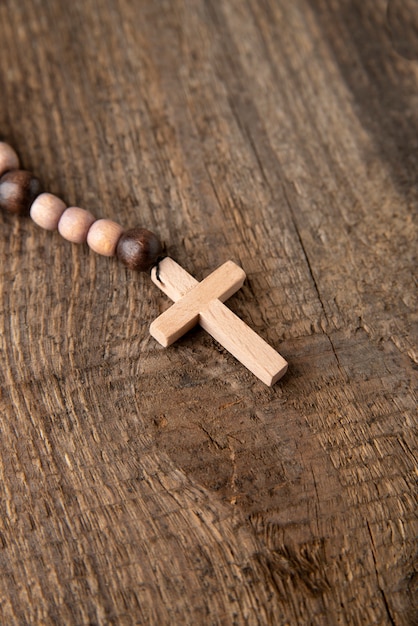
(184, 315)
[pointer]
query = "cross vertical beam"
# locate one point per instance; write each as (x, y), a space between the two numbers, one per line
(203, 303)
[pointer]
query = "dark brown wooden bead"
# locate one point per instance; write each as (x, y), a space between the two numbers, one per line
(139, 249)
(18, 189)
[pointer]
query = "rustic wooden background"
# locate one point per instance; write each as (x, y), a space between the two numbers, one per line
(169, 487)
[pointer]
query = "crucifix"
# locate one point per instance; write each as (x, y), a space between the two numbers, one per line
(202, 303)
(140, 249)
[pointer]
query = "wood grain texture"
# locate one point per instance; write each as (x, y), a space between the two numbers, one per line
(140, 485)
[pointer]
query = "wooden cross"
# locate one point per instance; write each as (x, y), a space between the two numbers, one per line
(203, 303)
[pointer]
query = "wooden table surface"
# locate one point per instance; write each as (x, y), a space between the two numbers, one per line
(143, 485)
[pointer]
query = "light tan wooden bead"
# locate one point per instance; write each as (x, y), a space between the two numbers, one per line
(75, 224)
(103, 236)
(47, 210)
(8, 158)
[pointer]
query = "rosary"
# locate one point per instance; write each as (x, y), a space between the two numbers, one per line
(139, 249)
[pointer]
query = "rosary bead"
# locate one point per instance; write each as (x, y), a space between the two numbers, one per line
(18, 189)
(103, 237)
(8, 158)
(75, 223)
(139, 249)
(46, 211)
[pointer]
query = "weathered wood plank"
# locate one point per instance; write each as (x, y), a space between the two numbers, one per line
(148, 486)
